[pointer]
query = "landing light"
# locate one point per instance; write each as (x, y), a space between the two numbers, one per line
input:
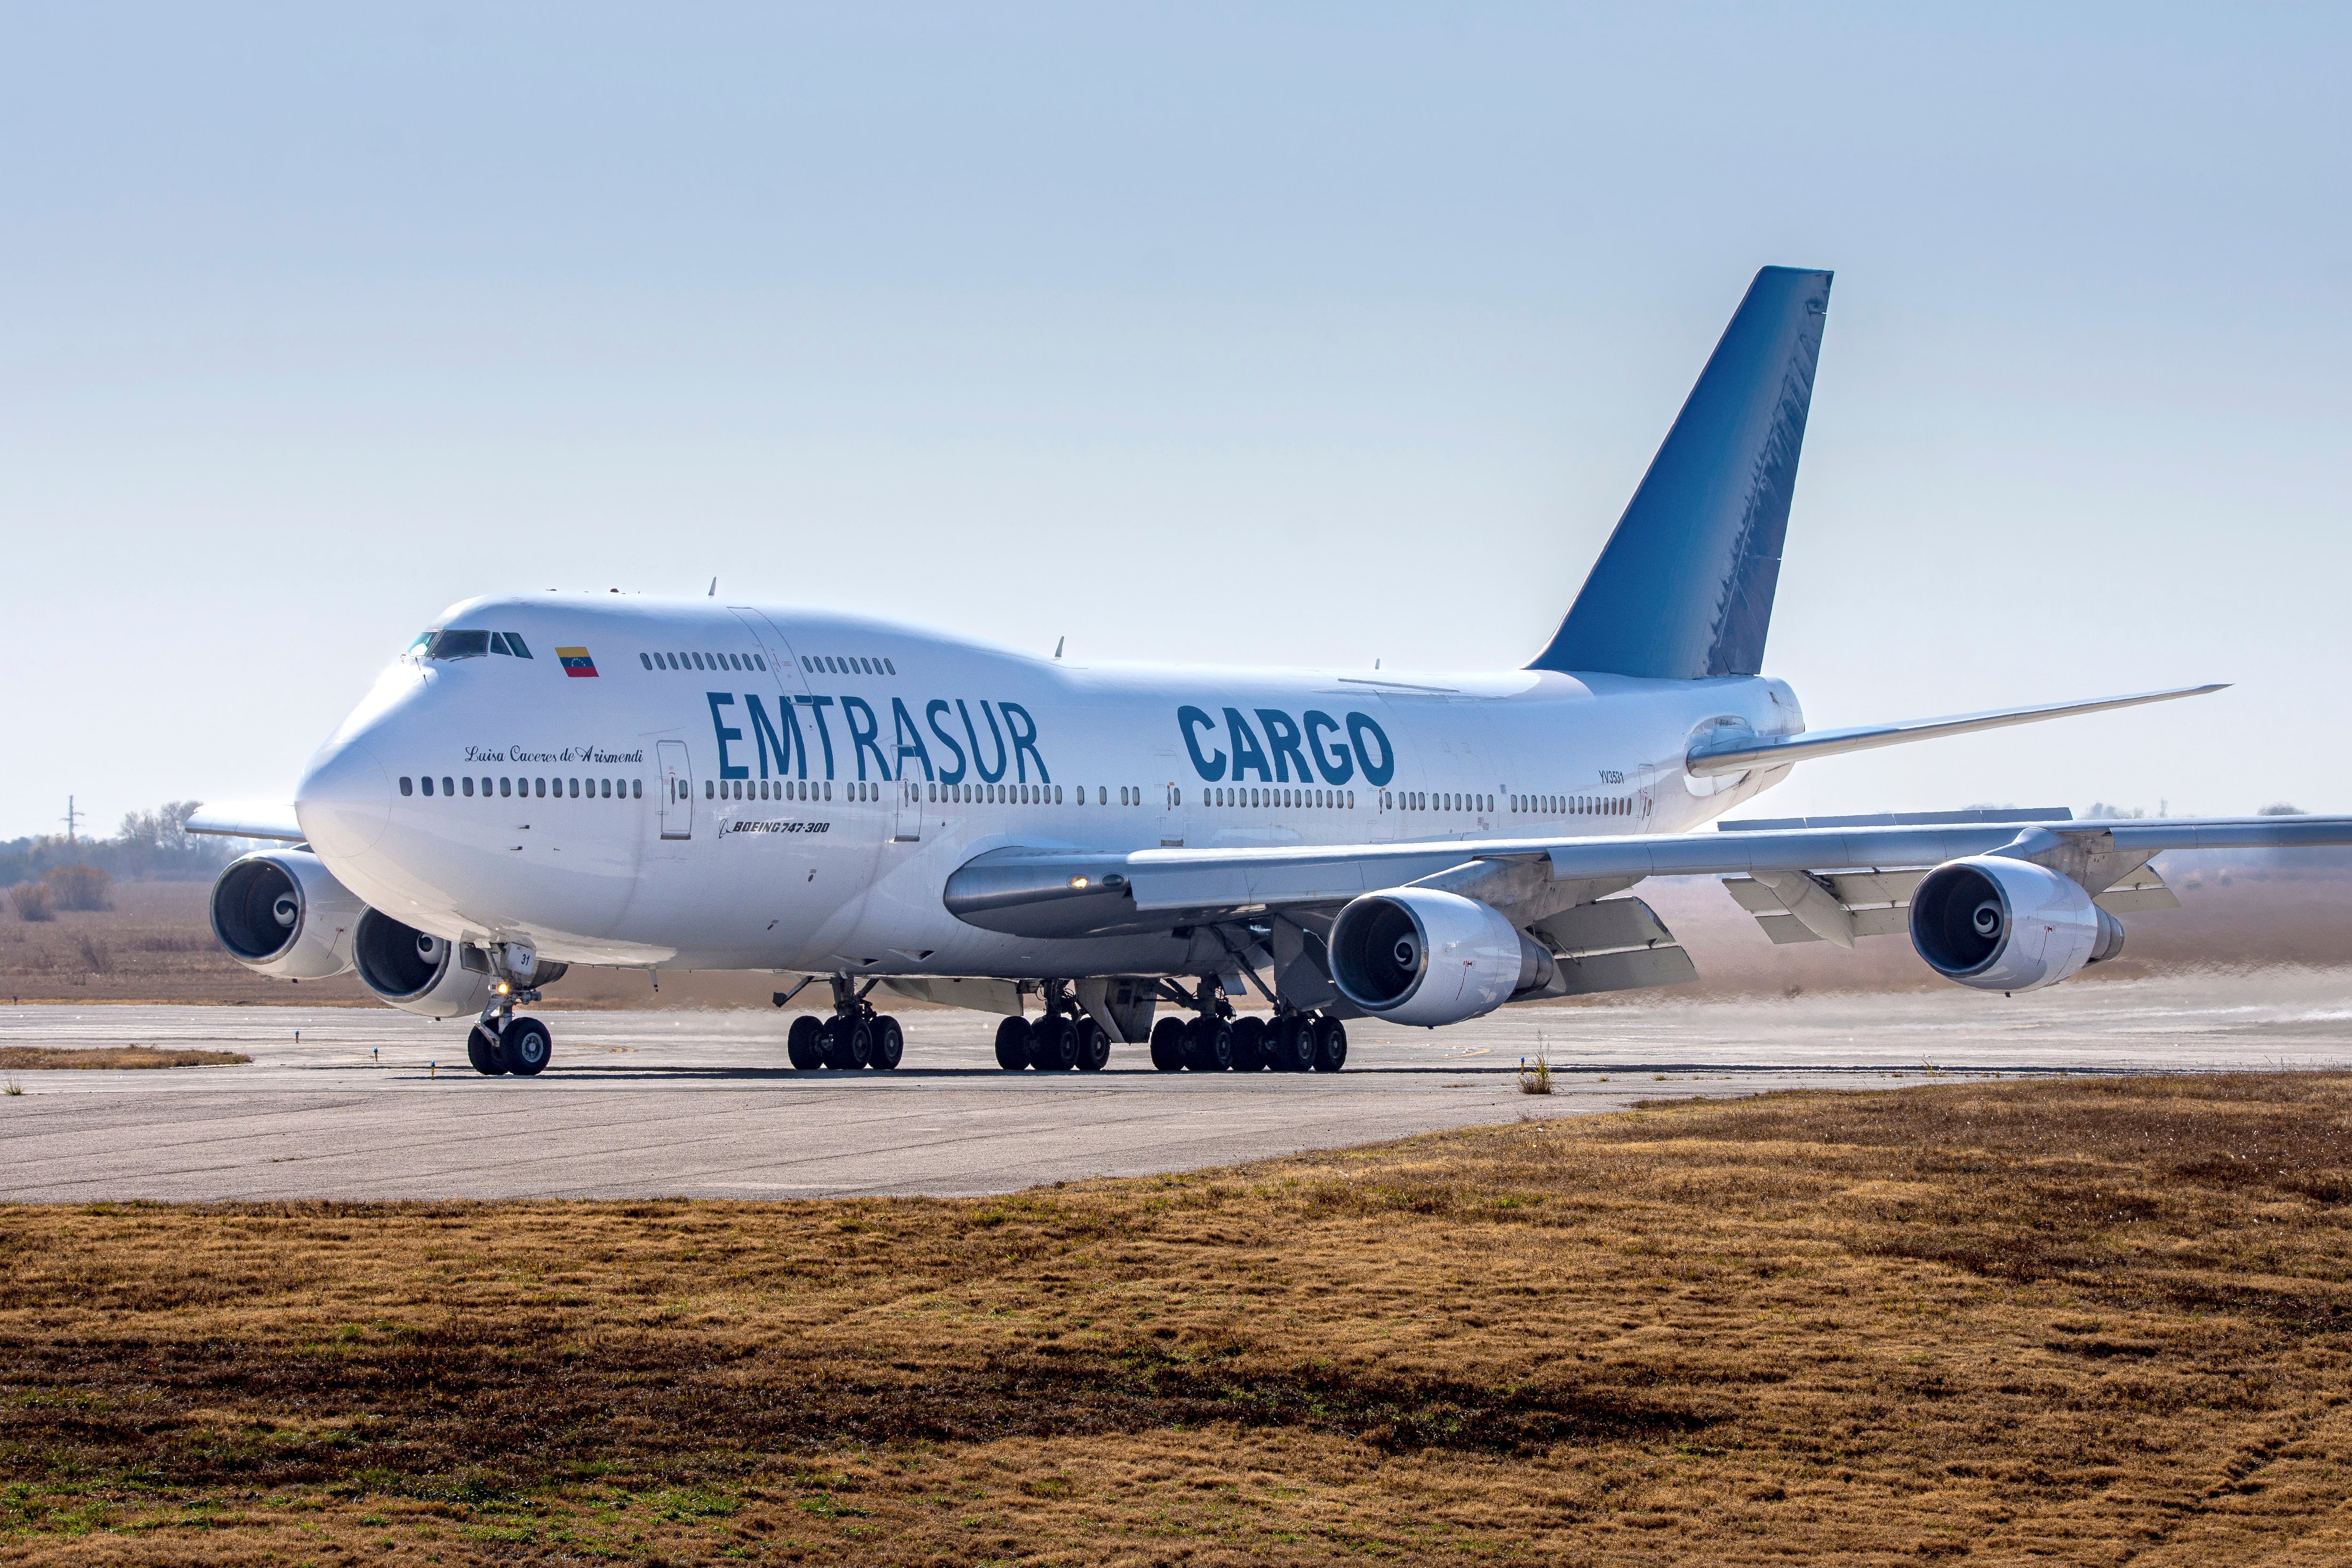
(1078, 881)
(502, 988)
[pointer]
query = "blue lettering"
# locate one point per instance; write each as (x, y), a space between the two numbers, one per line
(974, 736)
(1247, 753)
(784, 744)
(933, 713)
(727, 770)
(1358, 726)
(865, 735)
(1336, 766)
(816, 706)
(1024, 741)
(1282, 739)
(1190, 720)
(903, 723)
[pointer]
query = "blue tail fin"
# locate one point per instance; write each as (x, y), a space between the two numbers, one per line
(1684, 587)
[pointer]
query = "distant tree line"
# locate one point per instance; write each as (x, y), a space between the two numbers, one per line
(151, 846)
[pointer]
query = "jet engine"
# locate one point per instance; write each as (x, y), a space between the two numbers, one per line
(1415, 955)
(417, 972)
(1999, 924)
(281, 912)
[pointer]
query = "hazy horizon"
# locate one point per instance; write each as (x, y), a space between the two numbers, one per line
(1319, 335)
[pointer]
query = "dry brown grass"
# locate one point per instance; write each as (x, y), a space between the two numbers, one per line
(33, 1058)
(2082, 1322)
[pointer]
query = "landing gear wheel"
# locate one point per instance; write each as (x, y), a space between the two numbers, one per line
(1094, 1047)
(1052, 1043)
(1330, 1044)
(1210, 1043)
(482, 1050)
(525, 1047)
(852, 1044)
(1249, 1044)
(1290, 1043)
(889, 1043)
(804, 1043)
(1013, 1044)
(1168, 1044)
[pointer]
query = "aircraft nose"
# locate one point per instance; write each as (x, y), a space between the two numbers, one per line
(344, 800)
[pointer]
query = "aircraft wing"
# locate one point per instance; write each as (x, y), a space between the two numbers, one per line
(1071, 893)
(249, 819)
(1737, 754)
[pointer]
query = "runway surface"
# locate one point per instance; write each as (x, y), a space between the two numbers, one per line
(375, 1104)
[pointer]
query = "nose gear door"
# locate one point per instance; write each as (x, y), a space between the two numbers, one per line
(677, 790)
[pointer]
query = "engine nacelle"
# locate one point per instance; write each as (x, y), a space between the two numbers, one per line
(1999, 924)
(281, 912)
(1415, 955)
(418, 971)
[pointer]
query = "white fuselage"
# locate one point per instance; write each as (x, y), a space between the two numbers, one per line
(799, 801)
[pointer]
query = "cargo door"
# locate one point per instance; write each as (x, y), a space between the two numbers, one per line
(677, 789)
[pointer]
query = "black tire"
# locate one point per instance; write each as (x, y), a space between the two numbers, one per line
(889, 1043)
(1249, 1044)
(1168, 1044)
(1094, 1046)
(1211, 1042)
(1290, 1043)
(853, 1044)
(1013, 1044)
(1052, 1043)
(526, 1047)
(804, 1043)
(482, 1050)
(1330, 1044)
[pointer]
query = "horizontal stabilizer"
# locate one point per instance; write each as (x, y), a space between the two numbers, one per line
(1738, 753)
(248, 819)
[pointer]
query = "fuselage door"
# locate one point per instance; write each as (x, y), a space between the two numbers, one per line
(677, 790)
(908, 829)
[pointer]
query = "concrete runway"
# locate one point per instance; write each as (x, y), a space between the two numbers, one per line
(702, 1105)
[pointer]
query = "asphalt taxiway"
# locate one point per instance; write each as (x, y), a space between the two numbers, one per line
(375, 1104)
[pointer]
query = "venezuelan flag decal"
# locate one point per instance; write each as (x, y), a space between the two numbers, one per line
(576, 662)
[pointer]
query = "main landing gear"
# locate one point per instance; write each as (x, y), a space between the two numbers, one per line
(1288, 1042)
(1067, 1037)
(855, 1036)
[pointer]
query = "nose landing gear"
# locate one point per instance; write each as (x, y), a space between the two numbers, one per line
(855, 1036)
(500, 1042)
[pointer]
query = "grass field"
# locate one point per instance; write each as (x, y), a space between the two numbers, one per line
(2083, 1321)
(26, 1059)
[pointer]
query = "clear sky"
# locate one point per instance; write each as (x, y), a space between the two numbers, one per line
(1279, 335)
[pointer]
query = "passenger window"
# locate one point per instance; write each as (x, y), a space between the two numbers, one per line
(539, 788)
(448, 785)
(647, 659)
(470, 787)
(889, 668)
(637, 789)
(758, 663)
(506, 787)
(404, 788)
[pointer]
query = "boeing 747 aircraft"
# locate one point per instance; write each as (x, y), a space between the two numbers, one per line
(545, 780)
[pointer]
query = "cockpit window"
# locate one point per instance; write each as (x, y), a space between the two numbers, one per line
(515, 645)
(458, 645)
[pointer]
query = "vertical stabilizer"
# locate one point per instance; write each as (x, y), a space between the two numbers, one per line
(1684, 587)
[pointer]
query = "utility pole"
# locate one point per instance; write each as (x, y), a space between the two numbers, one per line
(71, 817)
